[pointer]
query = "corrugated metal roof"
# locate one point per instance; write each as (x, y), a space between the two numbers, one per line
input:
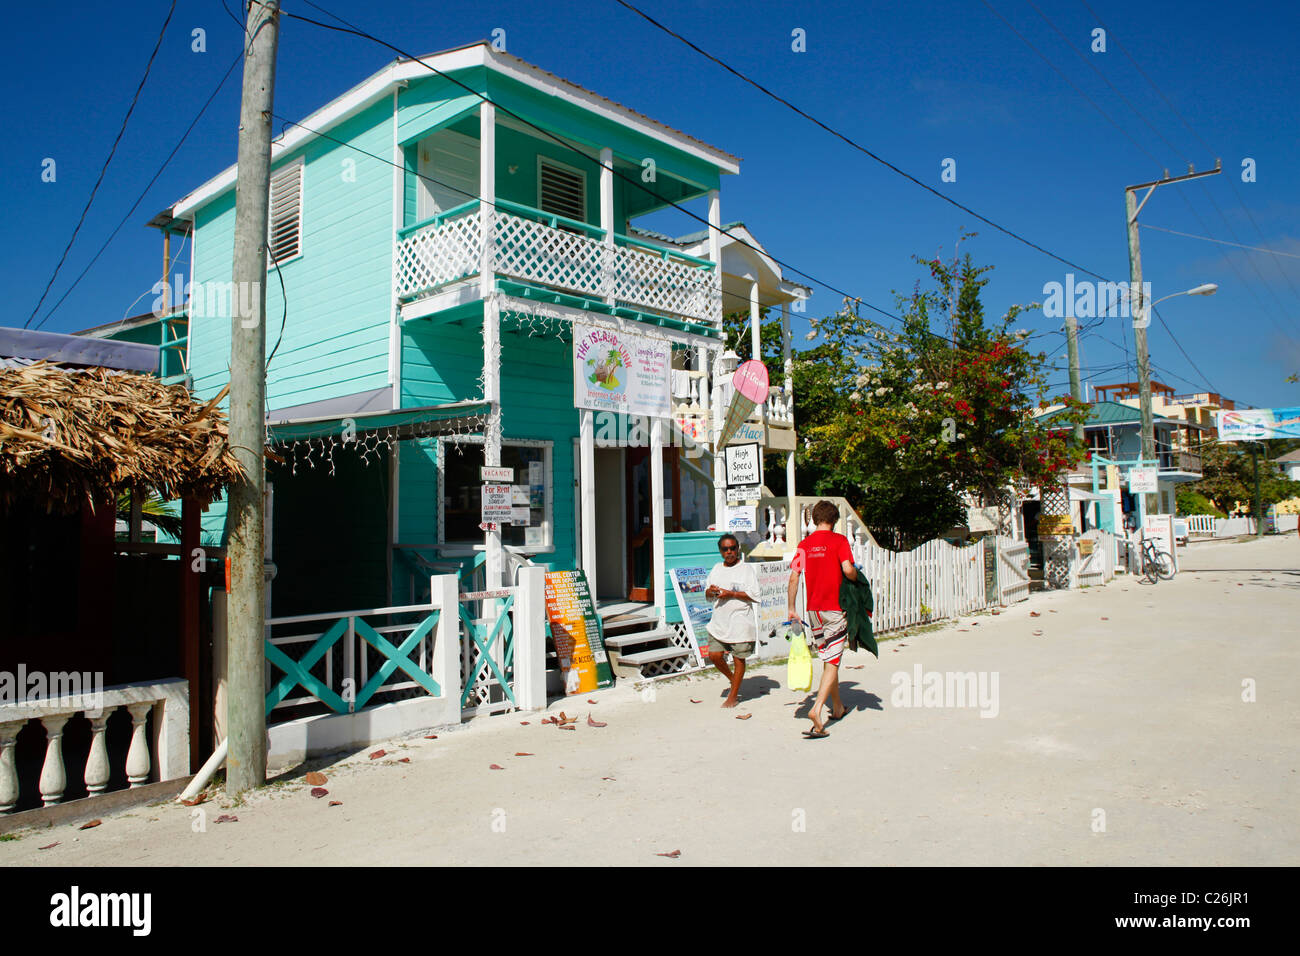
(1116, 413)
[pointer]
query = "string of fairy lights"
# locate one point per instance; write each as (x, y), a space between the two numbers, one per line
(374, 445)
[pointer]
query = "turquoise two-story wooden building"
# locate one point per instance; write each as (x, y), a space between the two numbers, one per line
(435, 231)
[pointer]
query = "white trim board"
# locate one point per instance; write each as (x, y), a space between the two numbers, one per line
(377, 86)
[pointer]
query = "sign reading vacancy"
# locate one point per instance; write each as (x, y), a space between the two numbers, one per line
(616, 371)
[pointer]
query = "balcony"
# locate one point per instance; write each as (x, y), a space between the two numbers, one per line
(1180, 461)
(1173, 464)
(556, 253)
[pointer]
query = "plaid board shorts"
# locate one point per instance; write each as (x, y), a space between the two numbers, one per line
(829, 630)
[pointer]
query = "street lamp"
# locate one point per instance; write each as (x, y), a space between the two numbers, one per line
(1208, 288)
(1141, 319)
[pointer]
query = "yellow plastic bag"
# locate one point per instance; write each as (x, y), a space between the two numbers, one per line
(798, 667)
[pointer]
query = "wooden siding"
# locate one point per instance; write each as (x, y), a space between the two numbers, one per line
(441, 363)
(335, 338)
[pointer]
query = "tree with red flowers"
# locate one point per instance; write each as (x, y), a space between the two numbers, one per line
(938, 408)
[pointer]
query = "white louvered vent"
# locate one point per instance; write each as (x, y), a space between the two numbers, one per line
(285, 220)
(561, 190)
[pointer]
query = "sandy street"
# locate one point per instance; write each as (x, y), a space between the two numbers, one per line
(1119, 735)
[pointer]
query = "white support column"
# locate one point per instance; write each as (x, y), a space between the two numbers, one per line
(395, 312)
(755, 320)
(715, 404)
(788, 366)
(587, 494)
(53, 777)
(607, 222)
(719, 411)
(446, 648)
(715, 249)
(491, 324)
(657, 512)
(530, 639)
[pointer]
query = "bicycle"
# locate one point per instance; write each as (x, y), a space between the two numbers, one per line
(1156, 564)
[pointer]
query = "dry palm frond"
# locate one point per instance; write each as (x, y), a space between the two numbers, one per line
(72, 436)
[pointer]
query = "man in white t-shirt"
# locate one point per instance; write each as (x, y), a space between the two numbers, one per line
(733, 586)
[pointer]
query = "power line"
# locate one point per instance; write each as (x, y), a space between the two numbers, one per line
(1104, 115)
(1182, 119)
(356, 31)
(1093, 66)
(149, 185)
(103, 170)
(851, 142)
(1109, 119)
(742, 299)
(1222, 242)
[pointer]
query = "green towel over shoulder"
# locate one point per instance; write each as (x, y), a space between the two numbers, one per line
(857, 604)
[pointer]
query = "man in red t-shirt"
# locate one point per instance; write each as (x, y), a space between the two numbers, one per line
(825, 559)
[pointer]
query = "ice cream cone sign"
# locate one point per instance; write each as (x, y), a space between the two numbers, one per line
(750, 384)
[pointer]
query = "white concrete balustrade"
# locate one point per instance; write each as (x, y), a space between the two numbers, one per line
(778, 411)
(166, 756)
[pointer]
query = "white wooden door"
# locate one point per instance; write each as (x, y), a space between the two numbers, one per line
(448, 170)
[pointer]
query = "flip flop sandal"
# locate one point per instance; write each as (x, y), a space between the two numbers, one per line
(831, 719)
(815, 734)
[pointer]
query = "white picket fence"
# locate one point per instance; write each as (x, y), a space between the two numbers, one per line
(1012, 570)
(1097, 567)
(934, 581)
(1230, 527)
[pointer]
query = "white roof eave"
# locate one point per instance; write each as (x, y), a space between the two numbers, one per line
(379, 84)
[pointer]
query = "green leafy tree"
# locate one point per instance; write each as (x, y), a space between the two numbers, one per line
(903, 421)
(1228, 477)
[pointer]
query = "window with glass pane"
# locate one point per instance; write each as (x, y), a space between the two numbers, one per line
(462, 493)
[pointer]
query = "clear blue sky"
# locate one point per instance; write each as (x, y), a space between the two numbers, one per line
(915, 83)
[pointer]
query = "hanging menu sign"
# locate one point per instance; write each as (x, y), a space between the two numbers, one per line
(575, 628)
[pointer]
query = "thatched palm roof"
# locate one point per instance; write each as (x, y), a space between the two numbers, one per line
(69, 436)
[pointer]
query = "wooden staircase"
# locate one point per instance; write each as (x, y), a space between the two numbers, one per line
(634, 640)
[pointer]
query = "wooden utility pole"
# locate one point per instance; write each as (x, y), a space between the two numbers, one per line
(1141, 309)
(1072, 343)
(246, 704)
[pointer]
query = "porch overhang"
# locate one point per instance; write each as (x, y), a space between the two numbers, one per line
(428, 421)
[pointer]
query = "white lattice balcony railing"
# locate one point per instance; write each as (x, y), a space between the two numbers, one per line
(439, 251)
(562, 254)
